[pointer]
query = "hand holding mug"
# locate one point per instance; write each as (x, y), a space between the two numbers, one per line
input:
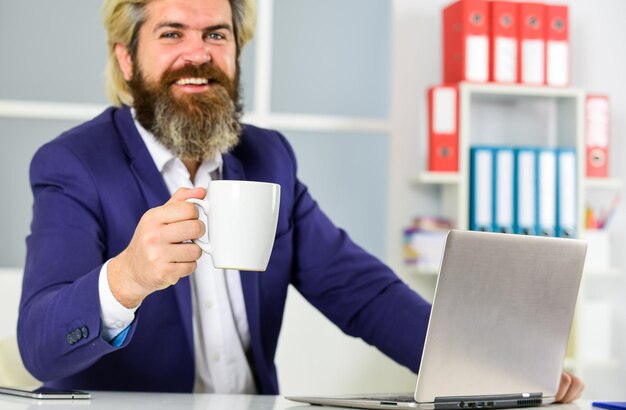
(241, 219)
(157, 255)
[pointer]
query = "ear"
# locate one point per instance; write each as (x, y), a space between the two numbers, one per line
(124, 60)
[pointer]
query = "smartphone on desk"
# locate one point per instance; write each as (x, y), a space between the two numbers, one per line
(45, 393)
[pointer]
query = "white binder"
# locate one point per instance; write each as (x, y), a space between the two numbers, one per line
(481, 189)
(566, 188)
(504, 190)
(546, 211)
(526, 191)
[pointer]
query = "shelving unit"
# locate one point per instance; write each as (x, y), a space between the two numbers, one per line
(559, 112)
(603, 183)
(516, 115)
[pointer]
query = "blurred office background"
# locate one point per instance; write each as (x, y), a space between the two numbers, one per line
(345, 81)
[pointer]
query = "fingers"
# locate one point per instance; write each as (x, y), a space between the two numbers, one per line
(575, 390)
(570, 388)
(173, 212)
(566, 379)
(182, 231)
(155, 258)
(183, 252)
(183, 194)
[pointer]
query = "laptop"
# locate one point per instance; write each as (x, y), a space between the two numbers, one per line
(499, 325)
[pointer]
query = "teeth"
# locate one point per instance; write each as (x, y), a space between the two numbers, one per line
(194, 81)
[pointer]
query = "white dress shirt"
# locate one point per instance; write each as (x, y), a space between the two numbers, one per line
(220, 325)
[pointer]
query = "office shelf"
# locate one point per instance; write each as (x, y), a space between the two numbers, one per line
(518, 115)
(603, 183)
(439, 178)
(420, 271)
(600, 272)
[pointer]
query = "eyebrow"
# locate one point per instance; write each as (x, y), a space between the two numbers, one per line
(181, 26)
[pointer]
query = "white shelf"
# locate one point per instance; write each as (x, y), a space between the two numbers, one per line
(603, 183)
(522, 90)
(436, 178)
(420, 271)
(604, 363)
(599, 272)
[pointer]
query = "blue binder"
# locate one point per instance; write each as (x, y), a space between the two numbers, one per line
(481, 188)
(525, 209)
(567, 197)
(546, 195)
(504, 189)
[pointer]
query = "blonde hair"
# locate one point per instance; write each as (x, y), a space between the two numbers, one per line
(122, 20)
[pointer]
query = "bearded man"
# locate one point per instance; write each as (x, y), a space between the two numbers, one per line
(115, 296)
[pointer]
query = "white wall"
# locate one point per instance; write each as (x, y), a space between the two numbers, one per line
(599, 65)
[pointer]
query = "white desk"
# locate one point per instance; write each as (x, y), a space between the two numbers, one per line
(170, 401)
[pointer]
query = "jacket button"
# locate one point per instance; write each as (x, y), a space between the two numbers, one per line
(84, 331)
(69, 338)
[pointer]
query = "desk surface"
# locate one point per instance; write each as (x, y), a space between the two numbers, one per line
(169, 401)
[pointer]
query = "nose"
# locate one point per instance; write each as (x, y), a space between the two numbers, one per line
(197, 52)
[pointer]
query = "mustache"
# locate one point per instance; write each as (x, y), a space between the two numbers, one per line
(208, 71)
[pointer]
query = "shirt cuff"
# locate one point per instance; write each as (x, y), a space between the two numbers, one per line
(115, 317)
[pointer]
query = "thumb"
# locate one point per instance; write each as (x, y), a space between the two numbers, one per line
(182, 194)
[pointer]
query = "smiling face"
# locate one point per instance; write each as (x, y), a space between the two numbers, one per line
(178, 33)
(184, 76)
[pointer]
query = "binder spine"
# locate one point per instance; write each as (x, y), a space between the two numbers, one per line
(481, 189)
(547, 192)
(503, 189)
(525, 208)
(532, 42)
(503, 41)
(466, 41)
(516, 193)
(443, 125)
(557, 45)
(597, 135)
(566, 203)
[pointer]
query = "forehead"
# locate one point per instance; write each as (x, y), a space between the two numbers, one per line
(189, 12)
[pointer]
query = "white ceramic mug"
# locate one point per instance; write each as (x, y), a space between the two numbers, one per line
(241, 219)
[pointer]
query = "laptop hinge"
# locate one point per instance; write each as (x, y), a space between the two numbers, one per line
(488, 402)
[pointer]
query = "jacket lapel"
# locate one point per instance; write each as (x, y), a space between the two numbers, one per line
(232, 168)
(155, 193)
(141, 163)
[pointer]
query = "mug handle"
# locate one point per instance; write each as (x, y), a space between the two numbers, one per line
(204, 206)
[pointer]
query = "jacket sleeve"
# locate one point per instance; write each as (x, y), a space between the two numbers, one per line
(59, 314)
(351, 287)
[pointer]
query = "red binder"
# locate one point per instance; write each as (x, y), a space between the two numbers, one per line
(503, 29)
(597, 132)
(557, 46)
(466, 41)
(443, 128)
(532, 38)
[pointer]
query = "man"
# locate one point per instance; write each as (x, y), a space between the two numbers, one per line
(109, 299)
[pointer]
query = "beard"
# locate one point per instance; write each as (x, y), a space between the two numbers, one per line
(193, 126)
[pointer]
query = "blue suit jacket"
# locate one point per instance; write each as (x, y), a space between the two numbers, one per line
(92, 185)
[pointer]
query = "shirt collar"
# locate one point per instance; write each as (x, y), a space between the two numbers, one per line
(163, 156)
